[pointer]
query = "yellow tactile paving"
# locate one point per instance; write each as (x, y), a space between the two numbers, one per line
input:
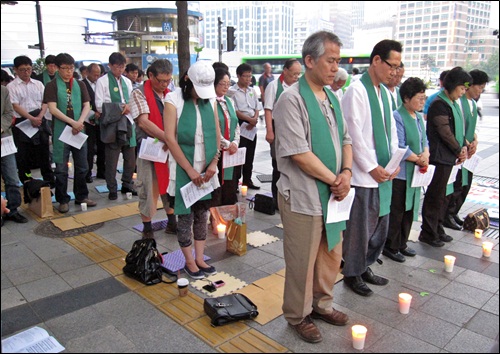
(184, 309)
(159, 293)
(114, 266)
(130, 283)
(105, 253)
(215, 336)
(252, 342)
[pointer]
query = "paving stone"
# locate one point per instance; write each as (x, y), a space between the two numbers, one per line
(484, 323)
(469, 342)
(448, 310)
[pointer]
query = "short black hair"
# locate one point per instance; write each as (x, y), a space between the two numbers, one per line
(243, 68)
(22, 60)
(219, 74)
(6, 77)
(64, 58)
(456, 77)
(289, 62)
(479, 77)
(159, 66)
(411, 87)
(131, 67)
(384, 48)
(50, 59)
(219, 64)
(117, 58)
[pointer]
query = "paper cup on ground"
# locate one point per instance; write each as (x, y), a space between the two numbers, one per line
(478, 233)
(129, 195)
(358, 336)
(84, 206)
(244, 190)
(182, 285)
(404, 303)
(449, 262)
(221, 231)
(487, 246)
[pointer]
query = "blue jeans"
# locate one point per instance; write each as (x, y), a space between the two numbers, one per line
(11, 180)
(81, 168)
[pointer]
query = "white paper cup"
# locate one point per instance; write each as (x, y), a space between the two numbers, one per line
(84, 206)
(182, 285)
(244, 190)
(449, 262)
(221, 231)
(478, 233)
(129, 195)
(358, 336)
(404, 303)
(487, 246)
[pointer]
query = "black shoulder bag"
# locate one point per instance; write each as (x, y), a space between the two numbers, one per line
(263, 204)
(229, 308)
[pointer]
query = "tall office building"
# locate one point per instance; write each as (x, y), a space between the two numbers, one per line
(439, 35)
(313, 17)
(260, 27)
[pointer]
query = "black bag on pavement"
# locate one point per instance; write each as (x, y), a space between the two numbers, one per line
(143, 262)
(229, 308)
(263, 204)
(32, 188)
(478, 219)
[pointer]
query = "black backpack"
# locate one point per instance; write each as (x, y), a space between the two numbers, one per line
(143, 263)
(32, 189)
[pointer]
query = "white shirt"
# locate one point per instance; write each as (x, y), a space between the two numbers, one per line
(175, 98)
(357, 113)
(27, 95)
(102, 94)
(339, 93)
(270, 93)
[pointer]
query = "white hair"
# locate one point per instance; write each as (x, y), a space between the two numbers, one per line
(341, 75)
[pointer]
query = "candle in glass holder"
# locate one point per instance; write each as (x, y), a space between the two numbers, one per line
(134, 176)
(487, 246)
(221, 231)
(358, 336)
(244, 190)
(449, 262)
(404, 303)
(478, 233)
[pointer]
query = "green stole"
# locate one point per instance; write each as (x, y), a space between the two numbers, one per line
(280, 88)
(470, 128)
(186, 130)
(62, 105)
(114, 93)
(46, 78)
(233, 121)
(323, 148)
(382, 134)
(416, 145)
(459, 128)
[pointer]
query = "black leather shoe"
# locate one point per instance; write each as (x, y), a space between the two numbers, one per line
(357, 285)
(18, 218)
(445, 238)
(89, 179)
(127, 190)
(395, 256)
(433, 243)
(371, 278)
(458, 220)
(408, 252)
(250, 185)
(450, 223)
(113, 196)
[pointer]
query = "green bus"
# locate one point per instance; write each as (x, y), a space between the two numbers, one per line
(350, 60)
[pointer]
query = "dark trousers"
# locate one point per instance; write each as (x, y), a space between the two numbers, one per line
(435, 204)
(400, 220)
(26, 151)
(460, 193)
(95, 147)
(276, 173)
(112, 155)
(80, 168)
(249, 156)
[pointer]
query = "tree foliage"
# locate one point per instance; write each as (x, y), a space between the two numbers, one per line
(183, 33)
(491, 65)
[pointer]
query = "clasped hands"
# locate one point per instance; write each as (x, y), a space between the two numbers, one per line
(341, 186)
(379, 174)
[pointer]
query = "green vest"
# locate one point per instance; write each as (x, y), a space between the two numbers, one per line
(233, 121)
(470, 127)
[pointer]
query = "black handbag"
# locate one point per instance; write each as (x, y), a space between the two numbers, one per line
(263, 204)
(478, 219)
(229, 308)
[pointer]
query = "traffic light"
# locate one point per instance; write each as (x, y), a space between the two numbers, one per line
(231, 45)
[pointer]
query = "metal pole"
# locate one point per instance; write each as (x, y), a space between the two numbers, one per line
(219, 26)
(41, 44)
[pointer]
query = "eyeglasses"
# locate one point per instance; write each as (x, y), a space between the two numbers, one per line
(25, 70)
(393, 67)
(421, 98)
(224, 83)
(163, 82)
(249, 76)
(67, 68)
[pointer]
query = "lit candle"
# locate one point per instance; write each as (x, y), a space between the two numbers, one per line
(358, 336)
(478, 233)
(487, 246)
(221, 231)
(449, 262)
(244, 190)
(404, 303)
(134, 176)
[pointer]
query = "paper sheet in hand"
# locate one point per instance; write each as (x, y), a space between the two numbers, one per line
(33, 340)
(453, 174)
(191, 193)
(340, 211)
(249, 134)
(8, 146)
(472, 163)
(422, 179)
(395, 160)
(237, 159)
(152, 150)
(28, 129)
(76, 140)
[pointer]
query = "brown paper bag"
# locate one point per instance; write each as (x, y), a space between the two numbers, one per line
(236, 238)
(42, 206)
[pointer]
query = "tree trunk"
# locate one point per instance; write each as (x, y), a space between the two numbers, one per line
(183, 33)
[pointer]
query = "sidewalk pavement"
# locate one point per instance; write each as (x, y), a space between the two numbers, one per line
(88, 306)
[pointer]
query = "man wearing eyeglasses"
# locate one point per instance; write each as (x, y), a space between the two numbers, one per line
(115, 88)
(26, 95)
(146, 107)
(368, 111)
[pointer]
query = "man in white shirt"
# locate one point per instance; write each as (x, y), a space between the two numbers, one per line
(113, 87)
(340, 79)
(289, 76)
(368, 111)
